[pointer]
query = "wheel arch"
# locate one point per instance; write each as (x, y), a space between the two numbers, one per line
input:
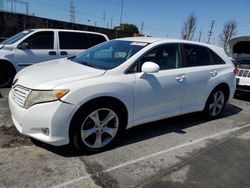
(225, 87)
(92, 102)
(8, 63)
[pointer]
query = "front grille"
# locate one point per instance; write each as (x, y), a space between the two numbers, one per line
(20, 94)
(244, 73)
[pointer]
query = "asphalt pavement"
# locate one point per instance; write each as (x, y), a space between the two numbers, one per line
(185, 151)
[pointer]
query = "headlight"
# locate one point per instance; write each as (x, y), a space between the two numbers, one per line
(41, 96)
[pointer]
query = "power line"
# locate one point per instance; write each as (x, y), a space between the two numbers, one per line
(211, 31)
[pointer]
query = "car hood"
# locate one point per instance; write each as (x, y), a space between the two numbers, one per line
(51, 74)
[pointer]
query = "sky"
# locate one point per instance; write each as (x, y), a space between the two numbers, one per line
(161, 18)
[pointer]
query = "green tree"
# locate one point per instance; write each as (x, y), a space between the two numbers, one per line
(127, 27)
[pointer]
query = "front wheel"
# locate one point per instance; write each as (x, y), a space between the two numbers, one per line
(97, 128)
(215, 104)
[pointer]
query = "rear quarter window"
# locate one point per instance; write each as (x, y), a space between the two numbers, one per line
(216, 59)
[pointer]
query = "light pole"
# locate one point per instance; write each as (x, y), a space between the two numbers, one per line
(122, 5)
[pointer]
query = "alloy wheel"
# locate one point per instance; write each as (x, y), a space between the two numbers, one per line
(99, 128)
(216, 103)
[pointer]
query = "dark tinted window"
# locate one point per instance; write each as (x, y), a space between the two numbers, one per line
(167, 56)
(41, 40)
(216, 60)
(73, 40)
(96, 39)
(196, 56)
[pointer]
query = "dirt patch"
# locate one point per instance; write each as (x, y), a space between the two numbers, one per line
(10, 137)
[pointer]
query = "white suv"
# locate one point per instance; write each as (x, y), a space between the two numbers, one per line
(89, 99)
(36, 45)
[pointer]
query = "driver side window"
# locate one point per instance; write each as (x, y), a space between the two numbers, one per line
(40, 40)
(166, 56)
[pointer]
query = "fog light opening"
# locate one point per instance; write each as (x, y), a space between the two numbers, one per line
(45, 131)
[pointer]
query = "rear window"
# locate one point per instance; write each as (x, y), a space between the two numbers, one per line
(196, 56)
(74, 40)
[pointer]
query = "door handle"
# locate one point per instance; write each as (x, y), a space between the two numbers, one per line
(52, 52)
(180, 78)
(213, 73)
(63, 53)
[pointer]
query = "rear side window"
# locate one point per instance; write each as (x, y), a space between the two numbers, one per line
(96, 39)
(41, 40)
(196, 56)
(74, 40)
(216, 60)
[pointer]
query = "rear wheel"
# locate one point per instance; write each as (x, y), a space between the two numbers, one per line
(215, 104)
(6, 76)
(97, 128)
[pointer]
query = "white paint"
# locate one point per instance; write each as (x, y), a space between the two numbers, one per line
(154, 155)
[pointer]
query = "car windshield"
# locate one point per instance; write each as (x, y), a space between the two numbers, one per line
(16, 37)
(109, 55)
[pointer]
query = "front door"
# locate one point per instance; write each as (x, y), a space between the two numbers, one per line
(159, 95)
(38, 47)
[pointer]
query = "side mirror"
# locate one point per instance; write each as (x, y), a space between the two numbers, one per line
(150, 67)
(24, 45)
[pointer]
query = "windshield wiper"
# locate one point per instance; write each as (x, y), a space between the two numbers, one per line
(88, 64)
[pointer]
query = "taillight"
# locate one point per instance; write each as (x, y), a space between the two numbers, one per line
(236, 71)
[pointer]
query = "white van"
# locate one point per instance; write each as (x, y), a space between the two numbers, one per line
(37, 45)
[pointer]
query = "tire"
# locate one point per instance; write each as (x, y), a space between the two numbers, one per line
(92, 133)
(6, 76)
(215, 104)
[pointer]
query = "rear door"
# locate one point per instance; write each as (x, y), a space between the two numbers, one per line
(40, 46)
(202, 68)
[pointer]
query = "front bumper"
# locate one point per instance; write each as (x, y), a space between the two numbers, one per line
(55, 116)
(243, 84)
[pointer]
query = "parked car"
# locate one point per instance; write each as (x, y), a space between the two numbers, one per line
(240, 52)
(36, 45)
(90, 99)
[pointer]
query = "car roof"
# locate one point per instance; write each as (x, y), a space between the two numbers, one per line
(168, 40)
(69, 30)
(165, 40)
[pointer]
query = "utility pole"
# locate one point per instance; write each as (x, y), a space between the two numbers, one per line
(111, 22)
(211, 31)
(200, 33)
(72, 12)
(142, 27)
(104, 18)
(122, 5)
